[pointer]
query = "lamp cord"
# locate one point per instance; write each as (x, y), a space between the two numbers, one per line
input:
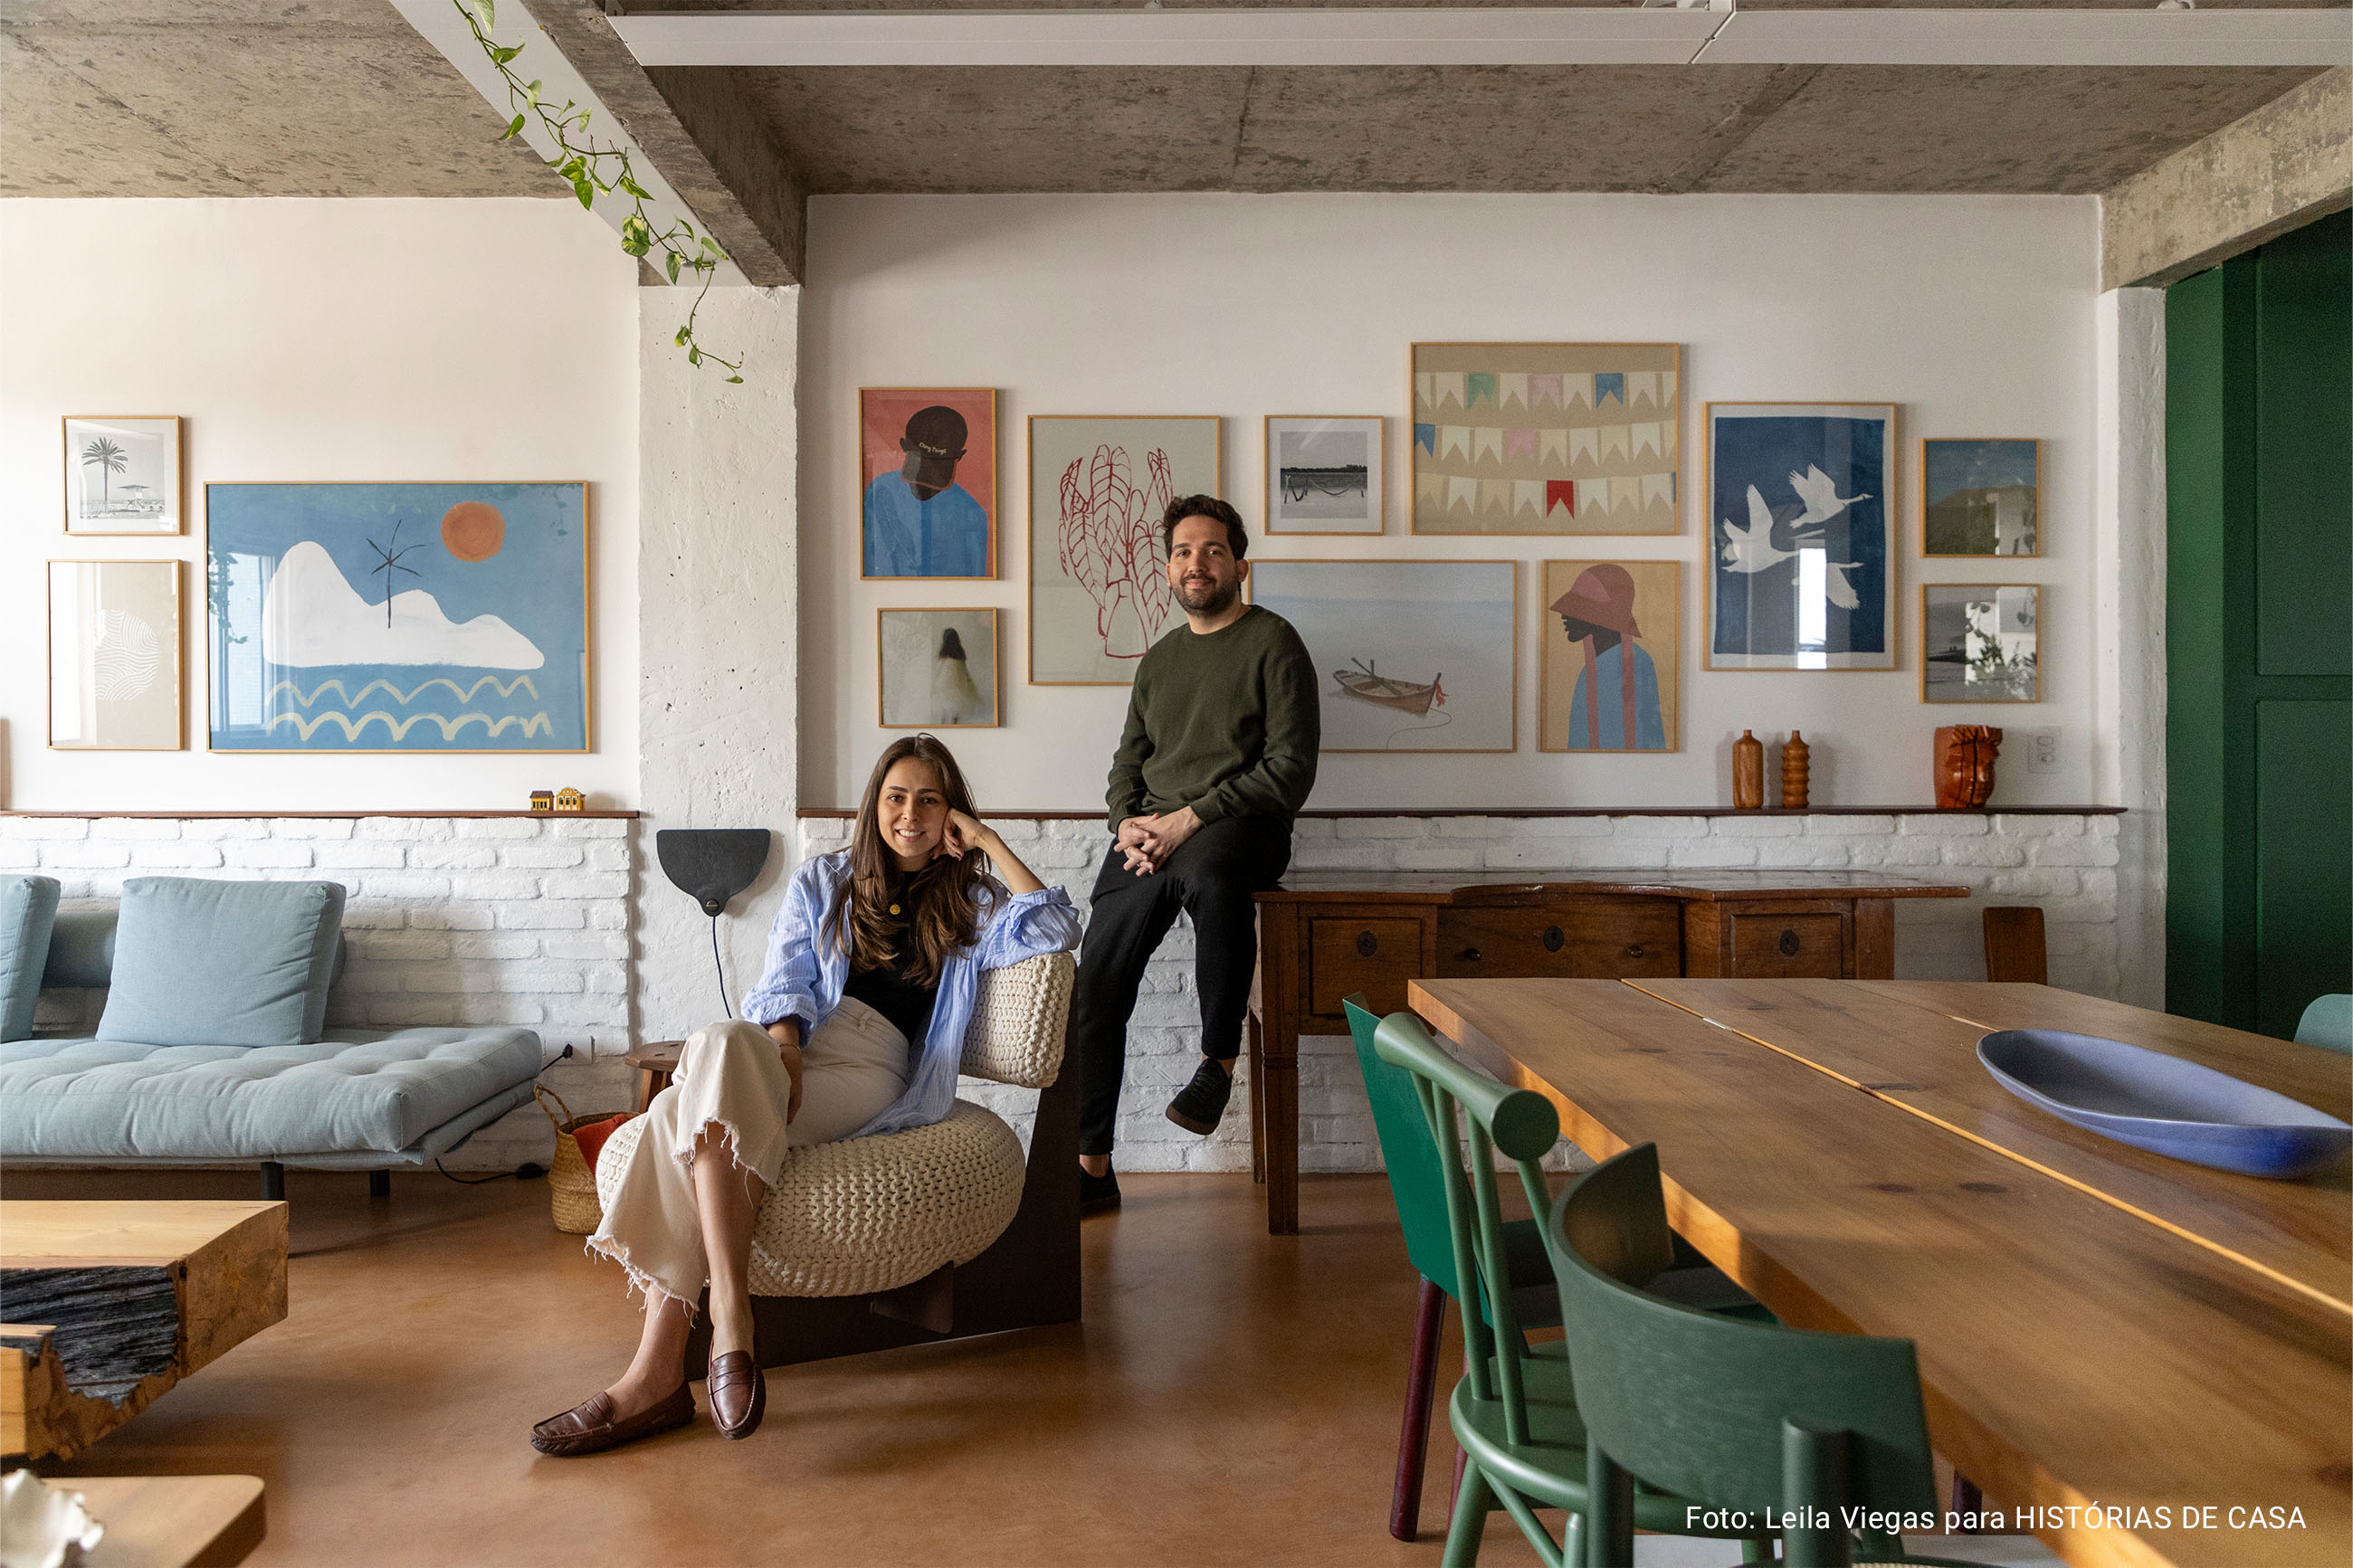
(726, 1009)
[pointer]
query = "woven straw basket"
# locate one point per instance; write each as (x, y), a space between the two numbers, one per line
(571, 1184)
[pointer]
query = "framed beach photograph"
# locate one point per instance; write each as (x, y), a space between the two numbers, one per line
(114, 657)
(938, 668)
(1324, 474)
(1802, 562)
(398, 617)
(1410, 656)
(1555, 438)
(1098, 574)
(1980, 642)
(927, 482)
(1612, 635)
(1980, 496)
(122, 474)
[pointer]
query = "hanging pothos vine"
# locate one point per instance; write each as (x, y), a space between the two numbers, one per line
(588, 165)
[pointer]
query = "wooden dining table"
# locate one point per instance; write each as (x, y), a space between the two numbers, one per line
(2111, 1344)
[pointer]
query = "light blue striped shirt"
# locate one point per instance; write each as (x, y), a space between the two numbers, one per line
(807, 970)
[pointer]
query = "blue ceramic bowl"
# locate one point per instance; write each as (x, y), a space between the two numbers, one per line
(2164, 1104)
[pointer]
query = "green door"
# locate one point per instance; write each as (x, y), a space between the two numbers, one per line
(2259, 631)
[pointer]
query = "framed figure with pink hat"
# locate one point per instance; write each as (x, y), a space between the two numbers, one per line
(1612, 644)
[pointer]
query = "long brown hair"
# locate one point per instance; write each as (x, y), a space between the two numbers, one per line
(943, 897)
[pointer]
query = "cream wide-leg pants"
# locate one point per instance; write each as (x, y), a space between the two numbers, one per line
(731, 1077)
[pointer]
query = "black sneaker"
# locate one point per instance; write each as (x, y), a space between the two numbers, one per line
(1097, 1195)
(1199, 1104)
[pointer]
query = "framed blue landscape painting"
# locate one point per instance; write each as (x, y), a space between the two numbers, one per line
(398, 617)
(1800, 538)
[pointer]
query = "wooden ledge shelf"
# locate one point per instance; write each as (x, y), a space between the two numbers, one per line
(1513, 811)
(321, 815)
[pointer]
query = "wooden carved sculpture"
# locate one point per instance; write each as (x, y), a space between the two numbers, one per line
(1747, 771)
(1964, 756)
(1796, 767)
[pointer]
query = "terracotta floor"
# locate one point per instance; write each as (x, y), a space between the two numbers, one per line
(1231, 1398)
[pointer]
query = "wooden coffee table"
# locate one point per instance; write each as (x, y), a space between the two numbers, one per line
(118, 1302)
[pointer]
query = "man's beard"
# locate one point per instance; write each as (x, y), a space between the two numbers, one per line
(1211, 598)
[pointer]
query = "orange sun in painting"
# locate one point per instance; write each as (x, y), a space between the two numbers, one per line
(473, 531)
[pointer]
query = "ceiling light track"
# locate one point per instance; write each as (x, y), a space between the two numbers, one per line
(1411, 35)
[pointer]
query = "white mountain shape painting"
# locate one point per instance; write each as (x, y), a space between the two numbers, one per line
(312, 615)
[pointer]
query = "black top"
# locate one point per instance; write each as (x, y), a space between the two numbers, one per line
(906, 1002)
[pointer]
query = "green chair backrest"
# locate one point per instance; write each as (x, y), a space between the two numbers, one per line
(1414, 1181)
(2328, 1024)
(1495, 1117)
(1729, 1413)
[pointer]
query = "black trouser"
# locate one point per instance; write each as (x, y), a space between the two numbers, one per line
(1211, 878)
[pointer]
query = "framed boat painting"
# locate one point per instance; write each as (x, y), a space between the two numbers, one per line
(398, 617)
(114, 657)
(927, 482)
(1098, 575)
(122, 474)
(1323, 474)
(1801, 563)
(1558, 438)
(1410, 656)
(1612, 647)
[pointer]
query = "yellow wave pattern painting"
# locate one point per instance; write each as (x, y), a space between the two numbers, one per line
(504, 688)
(537, 724)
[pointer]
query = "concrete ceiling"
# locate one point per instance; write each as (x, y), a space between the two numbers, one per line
(340, 98)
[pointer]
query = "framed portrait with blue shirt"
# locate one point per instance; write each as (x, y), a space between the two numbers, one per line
(1612, 655)
(927, 482)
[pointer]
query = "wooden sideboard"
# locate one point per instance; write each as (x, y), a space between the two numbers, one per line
(1325, 935)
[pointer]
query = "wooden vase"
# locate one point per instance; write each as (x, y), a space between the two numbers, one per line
(1747, 771)
(1797, 763)
(1963, 772)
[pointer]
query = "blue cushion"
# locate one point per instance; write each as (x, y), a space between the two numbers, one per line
(28, 907)
(363, 1090)
(82, 949)
(207, 962)
(2328, 1024)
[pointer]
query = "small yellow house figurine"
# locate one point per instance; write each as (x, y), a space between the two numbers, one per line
(542, 799)
(571, 800)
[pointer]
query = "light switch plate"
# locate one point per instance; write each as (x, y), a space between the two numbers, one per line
(2041, 750)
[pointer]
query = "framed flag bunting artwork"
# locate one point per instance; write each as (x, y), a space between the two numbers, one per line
(1547, 439)
(1801, 563)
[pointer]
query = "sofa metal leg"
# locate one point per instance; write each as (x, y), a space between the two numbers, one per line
(273, 1179)
(379, 1184)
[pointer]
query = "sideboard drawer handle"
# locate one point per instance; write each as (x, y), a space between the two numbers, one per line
(1470, 955)
(1788, 944)
(1367, 946)
(1635, 951)
(1553, 940)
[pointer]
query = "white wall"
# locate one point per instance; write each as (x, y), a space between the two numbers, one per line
(1975, 314)
(315, 340)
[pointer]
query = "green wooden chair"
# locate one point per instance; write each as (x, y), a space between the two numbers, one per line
(2328, 1024)
(1738, 1415)
(1514, 1411)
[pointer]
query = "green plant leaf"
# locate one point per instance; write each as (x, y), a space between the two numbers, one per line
(734, 381)
(586, 192)
(531, 94)
(635, 189)
(514, 128)
(670, 260)
(693, 356)
(680, 341)
(505, 52)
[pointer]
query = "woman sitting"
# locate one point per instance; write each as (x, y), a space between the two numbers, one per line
(878, 946)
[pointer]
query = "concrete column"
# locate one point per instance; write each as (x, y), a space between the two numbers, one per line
(718, 591)
(2128, 698)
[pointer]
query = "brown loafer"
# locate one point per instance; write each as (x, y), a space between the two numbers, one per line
(739, 1394)
(588, 1428)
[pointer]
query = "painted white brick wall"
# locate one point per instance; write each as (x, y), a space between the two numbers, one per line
(2066, 864)
(461, 920)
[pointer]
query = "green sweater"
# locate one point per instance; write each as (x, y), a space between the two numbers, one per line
(1227, 724)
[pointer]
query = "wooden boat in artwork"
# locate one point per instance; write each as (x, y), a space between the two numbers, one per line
(1371, 686)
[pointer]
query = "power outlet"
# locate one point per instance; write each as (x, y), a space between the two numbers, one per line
(2041, 750)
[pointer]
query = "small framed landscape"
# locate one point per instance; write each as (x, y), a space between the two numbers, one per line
(1802, 562)
(939, 668)
(1324, 474)
(1410, 656)
(1980, 642)
(1980, 496)
(927, 482)
(1098, 575)
(1547, 439)
(123, 475)
(1612, 649)
(114, 657)
(398, 617)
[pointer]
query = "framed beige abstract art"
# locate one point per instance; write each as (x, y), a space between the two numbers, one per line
(1547, 439)
(114, 657)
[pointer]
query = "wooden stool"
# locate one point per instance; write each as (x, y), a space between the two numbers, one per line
(655, 1061)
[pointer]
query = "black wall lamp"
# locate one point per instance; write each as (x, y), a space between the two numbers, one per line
(710, 866)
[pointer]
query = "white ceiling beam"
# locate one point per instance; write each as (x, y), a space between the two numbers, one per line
(1340, 36)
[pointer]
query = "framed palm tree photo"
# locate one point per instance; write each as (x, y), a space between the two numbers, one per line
(122, 474)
